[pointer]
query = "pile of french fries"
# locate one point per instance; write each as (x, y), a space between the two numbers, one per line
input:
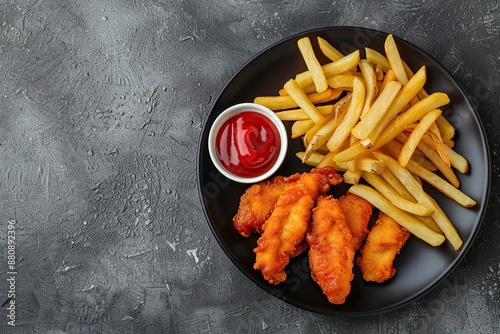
(372, 119)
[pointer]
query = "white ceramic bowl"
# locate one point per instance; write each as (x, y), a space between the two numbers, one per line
(233, 111)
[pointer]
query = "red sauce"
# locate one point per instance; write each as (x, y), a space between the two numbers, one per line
(248, 144)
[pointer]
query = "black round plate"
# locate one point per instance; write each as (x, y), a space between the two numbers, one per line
(420, 267)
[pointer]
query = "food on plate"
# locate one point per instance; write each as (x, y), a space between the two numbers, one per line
(383, 243)
(331, 251)
(385, 109)
(257, 204)
(357, 212)
(313, 64)
(372, 120)
(286, 228)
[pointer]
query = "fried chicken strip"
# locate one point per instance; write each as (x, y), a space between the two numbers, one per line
(383, 243)
(357, 212)
(285, 229)
(257, 204)
(331, 252)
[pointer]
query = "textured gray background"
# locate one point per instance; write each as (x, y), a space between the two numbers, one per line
(101, 106)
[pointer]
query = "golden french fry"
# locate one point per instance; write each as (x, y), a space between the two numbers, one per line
(329, 50)
(300, 128)
(436, 142)
(405, 95)
(408, 221)
(440, 184)
(334, 95)
(345, 64)
(351, 165)
(328, 161)
(313, 160)
(409, 73)
(352, 176)
(287, 102)
(433, 156)
(312, 63)
(365, 164)
(298, 95)
(382, 186)
(416, 135)
(342, 81)
(389, 76)
(397, 185)
(322, 135)
(424, 162)
(376, 111)
(371, 84)
(300, 114)
(377, 58)
(344, 129)
(396, 126)
(457, 161)
(415, 188)
(307, 89)
(392, 53)
(445, 128)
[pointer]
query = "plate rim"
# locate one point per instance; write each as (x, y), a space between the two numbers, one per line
(465, 247)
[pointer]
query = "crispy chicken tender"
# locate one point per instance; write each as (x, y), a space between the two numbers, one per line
(383, 243)
(331, 252)
(257, 204)
(286, 228)
(357, 212)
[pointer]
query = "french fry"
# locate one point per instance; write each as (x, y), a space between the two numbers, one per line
(300, 114)
(287, 102)
(365, 164)
(312, 64)
(342, 81)
(422, 197)
(313, 160)
(422, 94)
(424, 162)
(378, 58)
(405, 95)
(457, 161)
(352, 176)
(300, 127)
(329, 50)
(392, 53)
(303, 101)
(353, 113)
(382, 186)
(408, 221)
(416, 135)
(397, 185)
(376, 111)
(389, 76)
(441, 185)
(322, 135)
(433, 156)
(307, 89)
(396, 126)
(342, 65)
(334, 95)
(371, 84)
(445, 128)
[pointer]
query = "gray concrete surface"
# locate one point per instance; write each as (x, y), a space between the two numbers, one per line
(101, 108)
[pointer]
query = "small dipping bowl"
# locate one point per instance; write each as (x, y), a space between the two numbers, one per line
(235, 111)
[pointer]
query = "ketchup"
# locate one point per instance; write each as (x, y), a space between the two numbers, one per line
(248, 144)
